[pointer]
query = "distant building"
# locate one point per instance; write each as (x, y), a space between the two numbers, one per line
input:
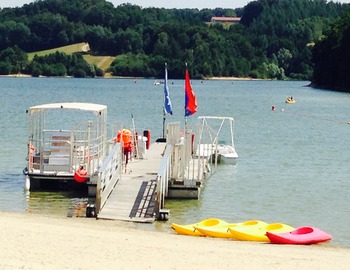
(226, 20)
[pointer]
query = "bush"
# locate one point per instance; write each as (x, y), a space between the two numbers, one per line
(5, 68)
(79, 73)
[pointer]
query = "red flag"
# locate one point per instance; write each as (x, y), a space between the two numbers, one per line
(190, 98)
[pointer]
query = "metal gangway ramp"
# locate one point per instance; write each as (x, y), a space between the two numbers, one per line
(133, 196)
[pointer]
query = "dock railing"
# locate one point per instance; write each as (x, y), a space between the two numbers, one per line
(108, 176)
(162, 183)
(183, 160)
(188, 163)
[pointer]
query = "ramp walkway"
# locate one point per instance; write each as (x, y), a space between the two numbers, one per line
(134, 196)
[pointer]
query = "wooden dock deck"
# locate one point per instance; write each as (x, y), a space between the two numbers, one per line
(133, 197)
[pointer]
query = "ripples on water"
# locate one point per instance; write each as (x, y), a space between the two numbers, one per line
(293, 162)
(15, 198)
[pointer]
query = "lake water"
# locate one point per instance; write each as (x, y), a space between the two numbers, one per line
(293, 164)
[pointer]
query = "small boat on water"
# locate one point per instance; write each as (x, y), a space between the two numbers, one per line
(257, 232)
(67, 142)
(290, 100)
(158, 82)
(218, 151)
(226, 154)
(300, 236)
(190, 229)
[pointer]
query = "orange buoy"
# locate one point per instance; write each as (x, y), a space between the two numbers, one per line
(81, 175)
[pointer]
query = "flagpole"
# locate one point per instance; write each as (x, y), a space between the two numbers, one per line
(135, 137)
(164, 112)
(190, 97)
(185, 98)
(164, 117)
(167, 107)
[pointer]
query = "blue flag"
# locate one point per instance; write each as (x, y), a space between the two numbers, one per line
(167, 103)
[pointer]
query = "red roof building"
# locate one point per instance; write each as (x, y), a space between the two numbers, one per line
(228, 20)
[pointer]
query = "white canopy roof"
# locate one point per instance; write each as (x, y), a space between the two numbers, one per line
(97, 108)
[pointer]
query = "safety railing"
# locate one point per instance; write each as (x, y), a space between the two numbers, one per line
(108, 176)
(163, 175)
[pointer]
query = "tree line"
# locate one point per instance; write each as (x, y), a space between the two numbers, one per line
(274, 38)
(331, 57)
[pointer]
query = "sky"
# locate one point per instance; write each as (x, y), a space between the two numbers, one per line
(200, 4)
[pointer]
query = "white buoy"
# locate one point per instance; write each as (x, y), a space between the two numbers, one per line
(27, 183)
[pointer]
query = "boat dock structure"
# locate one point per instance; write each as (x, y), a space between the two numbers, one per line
(134, 194)
(125, 176)
(171, 168)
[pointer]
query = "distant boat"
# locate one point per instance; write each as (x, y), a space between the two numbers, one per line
(301, 236)
(290, 100)
(158, 82)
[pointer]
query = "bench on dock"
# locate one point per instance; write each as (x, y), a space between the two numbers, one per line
(60, 155)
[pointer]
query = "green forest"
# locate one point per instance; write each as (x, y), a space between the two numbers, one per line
(275, 39)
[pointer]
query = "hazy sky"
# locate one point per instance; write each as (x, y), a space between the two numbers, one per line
(200, 4)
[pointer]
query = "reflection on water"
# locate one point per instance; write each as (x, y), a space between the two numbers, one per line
(56, 203)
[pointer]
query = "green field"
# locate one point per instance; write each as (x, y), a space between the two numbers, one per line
(102, 62)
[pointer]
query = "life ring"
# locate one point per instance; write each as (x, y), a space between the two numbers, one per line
(81, 175)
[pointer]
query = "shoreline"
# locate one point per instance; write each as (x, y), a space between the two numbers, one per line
(32, 241)
(234, 79)
(107, 76)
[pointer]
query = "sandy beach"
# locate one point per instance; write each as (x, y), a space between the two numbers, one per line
(31, 241)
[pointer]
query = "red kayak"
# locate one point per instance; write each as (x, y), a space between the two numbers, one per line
(301, 236)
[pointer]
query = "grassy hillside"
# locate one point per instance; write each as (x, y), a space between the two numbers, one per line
(102, 62)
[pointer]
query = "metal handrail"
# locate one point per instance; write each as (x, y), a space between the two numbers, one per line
(163, 179)
(108, 176)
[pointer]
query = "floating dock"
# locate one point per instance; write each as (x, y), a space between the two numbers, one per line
(171, 168)
(134, 196)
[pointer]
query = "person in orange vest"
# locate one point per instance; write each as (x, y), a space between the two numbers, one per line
(127, 149)
(118, 137)
(124, 136)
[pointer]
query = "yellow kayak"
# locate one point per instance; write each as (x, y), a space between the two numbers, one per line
(223, 231)
(258, 233)
(290, 100)
(216, 231)
(190, 229)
